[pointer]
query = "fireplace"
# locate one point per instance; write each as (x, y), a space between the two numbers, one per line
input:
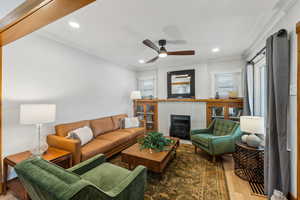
(180, 126)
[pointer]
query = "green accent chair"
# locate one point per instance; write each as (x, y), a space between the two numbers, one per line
(219, 138)
(92, 179)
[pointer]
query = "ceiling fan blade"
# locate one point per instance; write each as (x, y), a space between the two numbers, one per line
(150, 44)
(153, 59)
(181, 53)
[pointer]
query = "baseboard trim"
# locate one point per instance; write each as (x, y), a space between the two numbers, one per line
(291, 197)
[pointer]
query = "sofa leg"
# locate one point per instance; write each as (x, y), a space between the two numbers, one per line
(195, 149)
(214, 159)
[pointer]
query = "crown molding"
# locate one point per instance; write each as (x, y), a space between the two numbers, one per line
(279, 11)
(231, 58)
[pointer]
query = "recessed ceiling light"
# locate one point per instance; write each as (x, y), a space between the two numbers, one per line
(74, 24)
(215, 50)
(141, 61)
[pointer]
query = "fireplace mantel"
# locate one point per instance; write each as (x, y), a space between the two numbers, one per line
(238, 100)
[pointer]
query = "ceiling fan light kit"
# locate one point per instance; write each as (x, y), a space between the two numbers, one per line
(162, 51)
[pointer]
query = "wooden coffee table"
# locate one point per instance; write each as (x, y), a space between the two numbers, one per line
(155, 161)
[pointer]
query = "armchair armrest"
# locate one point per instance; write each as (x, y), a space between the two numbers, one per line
(200, 131)
(134, 184)
(222, 144)
(87, 165)
(70, 145)
(209, 129)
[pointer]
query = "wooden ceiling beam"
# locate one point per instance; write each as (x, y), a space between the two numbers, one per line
(33, 15)
(21, 12)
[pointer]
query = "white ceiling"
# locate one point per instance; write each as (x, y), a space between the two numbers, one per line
(114, 29)
(8, 5)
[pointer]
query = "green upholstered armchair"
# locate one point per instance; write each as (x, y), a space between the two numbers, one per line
(92, 179)
(219, 138)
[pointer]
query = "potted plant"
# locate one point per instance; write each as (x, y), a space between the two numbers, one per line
(155, 141)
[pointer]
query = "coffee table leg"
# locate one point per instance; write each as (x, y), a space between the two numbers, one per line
(129, 166)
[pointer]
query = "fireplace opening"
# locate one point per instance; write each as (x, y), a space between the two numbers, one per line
(180, 126)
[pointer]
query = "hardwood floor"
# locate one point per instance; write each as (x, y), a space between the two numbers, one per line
(238, 188)
(8, 196)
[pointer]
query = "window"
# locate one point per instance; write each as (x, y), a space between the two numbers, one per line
(226, 83)
(147, 87)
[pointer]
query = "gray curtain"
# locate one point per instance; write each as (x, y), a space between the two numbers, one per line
(277, 158)
(248, 91)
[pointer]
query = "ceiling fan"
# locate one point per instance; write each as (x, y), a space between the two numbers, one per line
(162, 52)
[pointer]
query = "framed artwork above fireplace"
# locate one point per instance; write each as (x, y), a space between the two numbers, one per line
(181, 84)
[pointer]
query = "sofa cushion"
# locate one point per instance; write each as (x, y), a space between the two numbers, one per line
(117, 120)
(64, 129)
(117, 137)
(95, 147)
(135, 131)
(202, 139)
(102, 125)
(223, 127)
(102, 175)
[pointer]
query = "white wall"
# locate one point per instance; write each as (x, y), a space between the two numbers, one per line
(289, 22)
(38, 70)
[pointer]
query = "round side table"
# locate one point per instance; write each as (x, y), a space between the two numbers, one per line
(249, 163)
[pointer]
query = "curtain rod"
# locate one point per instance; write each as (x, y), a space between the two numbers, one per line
(259, 53)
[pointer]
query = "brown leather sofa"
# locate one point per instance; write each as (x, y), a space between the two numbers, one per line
(108, 139)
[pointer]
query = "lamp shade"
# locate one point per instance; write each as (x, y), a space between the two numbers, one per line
(37, 113)
(135, 95)
(251, 124)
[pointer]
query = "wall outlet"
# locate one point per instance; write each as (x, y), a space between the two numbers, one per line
(293, 90)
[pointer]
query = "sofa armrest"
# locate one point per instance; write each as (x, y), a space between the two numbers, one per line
(87, 165)
(70, 145)
(134, 184)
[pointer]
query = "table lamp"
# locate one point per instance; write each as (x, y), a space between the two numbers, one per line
(37, 114)
(255, 126)
(135, 95)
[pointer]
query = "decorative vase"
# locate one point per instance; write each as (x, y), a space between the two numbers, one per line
(253, 141)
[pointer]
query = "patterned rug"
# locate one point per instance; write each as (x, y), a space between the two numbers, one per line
(189, 176)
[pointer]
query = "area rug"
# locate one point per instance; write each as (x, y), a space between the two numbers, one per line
(189, 176)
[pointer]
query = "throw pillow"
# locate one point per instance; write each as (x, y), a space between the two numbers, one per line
(83, 134)
(132, 122)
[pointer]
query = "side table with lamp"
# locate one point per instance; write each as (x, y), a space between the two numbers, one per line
(34, 114)
(249, 154)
